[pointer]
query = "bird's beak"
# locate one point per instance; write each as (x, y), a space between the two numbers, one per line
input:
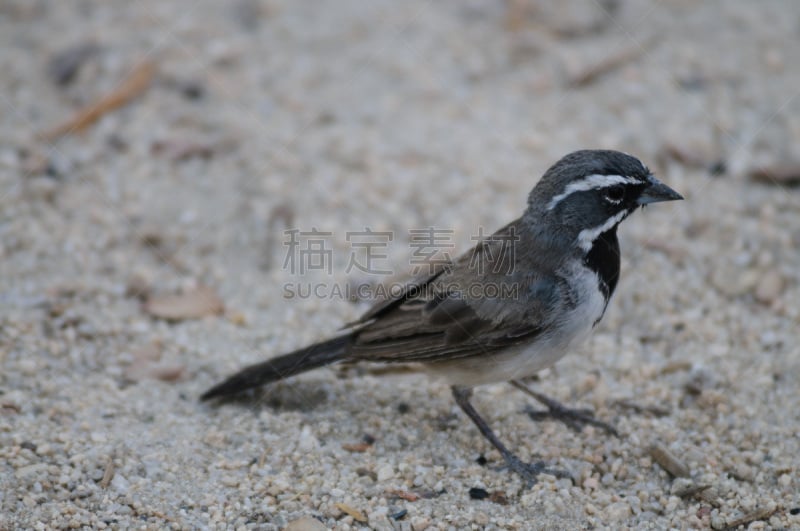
(657, 192)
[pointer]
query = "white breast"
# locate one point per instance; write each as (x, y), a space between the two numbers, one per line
(588, 311)
(544, 350)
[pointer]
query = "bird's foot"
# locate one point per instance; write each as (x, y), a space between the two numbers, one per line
(573, 418)
(529, 472)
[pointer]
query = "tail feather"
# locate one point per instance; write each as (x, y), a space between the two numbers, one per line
(304, 359)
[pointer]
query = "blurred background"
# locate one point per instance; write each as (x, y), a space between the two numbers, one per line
(153, 154)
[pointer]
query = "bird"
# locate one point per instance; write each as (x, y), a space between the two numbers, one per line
(514, 304)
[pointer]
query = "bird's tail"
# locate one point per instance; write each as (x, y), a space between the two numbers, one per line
(304, 359)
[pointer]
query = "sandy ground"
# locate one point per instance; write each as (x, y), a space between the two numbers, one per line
(265, 116)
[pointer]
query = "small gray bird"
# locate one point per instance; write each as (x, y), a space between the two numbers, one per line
(511, 306)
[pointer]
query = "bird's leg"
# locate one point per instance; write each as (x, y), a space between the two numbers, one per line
(528, 471)
(573, 418)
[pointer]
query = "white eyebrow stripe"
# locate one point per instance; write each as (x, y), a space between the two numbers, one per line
(586, 237)
(591, 182)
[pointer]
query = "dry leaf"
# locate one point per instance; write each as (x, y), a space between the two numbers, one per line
(147, 365)
(786, 174)
(403, 495)
(669, 461)
(167, 373)
(134, 85)
(357, 447)
(593, 72)
(755, 516)
(178, 149)
(194, 304)
(108, 474)
(499, 497)
(352, 511)
(366, 441)
(9, 407)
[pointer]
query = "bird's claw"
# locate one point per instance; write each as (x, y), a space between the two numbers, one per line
(574, 419)
(529, 472)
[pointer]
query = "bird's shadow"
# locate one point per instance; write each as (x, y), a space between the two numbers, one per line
(286, 395)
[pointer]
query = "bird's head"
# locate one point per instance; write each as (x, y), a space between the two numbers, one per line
(589, 192)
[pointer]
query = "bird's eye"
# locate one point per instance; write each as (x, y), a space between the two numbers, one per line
(615, 194)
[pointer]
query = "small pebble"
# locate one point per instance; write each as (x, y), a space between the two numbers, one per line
(769, 287)
(419, 523)
(28, 445)
(616, 512)
(477, 493)
(591, 483)
(385, 473)
(305, 523)
(120, 483)
(64, 65)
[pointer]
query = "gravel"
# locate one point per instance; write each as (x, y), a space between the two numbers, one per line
(271, 115)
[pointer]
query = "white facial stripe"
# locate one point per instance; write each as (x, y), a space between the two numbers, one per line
(591, 182)
(586, 237)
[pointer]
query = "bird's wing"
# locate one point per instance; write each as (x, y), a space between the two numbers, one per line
(478, 305)
(410, 292)
(417, 290)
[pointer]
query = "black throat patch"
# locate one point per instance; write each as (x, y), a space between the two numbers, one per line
(603, 259)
